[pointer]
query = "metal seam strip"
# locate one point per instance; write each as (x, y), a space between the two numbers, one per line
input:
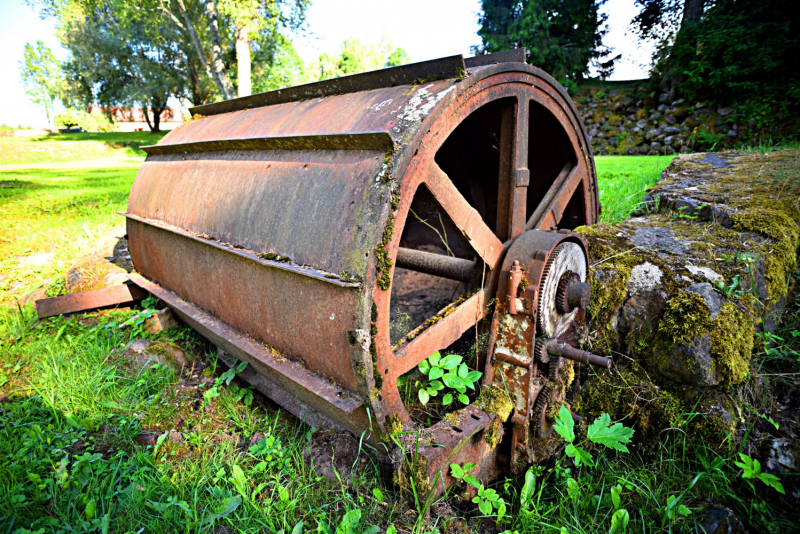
(317, 275)
(335, 141)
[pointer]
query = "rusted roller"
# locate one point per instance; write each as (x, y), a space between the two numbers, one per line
(337, 234)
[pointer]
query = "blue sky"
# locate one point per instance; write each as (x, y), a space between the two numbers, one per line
(426, 29)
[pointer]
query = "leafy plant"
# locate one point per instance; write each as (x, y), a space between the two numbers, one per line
(446, 371)
(730, 290)
(601, 432)
(224, 380)
(487, 499)
(751, 468)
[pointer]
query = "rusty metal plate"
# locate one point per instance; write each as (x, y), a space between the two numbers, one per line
(107, 297)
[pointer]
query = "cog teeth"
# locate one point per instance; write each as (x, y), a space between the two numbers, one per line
(538, 412)
(545, 274)
(538, 351)
(562, 300)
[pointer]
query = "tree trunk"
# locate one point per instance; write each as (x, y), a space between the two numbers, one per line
(692, 12)
(243, 59)
(213, 74)
(216, 48)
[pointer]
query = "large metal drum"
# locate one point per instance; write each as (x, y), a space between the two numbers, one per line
(337, 234)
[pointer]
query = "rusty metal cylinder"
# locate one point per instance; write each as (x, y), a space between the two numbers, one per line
(578, 355)
(436, 264)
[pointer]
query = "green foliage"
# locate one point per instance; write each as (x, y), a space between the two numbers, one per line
(88, 122)
(562, 37)
(740, 51)
(488, 500)
(751, 468)
(446, 371)
(601, 431)
(356, 57)
(41, 76)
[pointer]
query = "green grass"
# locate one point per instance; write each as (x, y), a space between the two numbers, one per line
(59, 209)
(623, 180)
(80, 146)
(73, 412)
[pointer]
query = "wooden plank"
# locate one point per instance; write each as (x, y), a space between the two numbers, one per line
(108, 297)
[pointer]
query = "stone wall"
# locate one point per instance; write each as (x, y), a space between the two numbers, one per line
(634, 121)
(680, 292)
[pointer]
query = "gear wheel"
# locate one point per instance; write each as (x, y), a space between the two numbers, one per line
(540, 427)
(562, 300)
(539, 353)
(566, 257)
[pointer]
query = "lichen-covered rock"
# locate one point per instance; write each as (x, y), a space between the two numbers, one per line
(682, 290)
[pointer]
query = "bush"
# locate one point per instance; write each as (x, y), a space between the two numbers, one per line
(85, 121)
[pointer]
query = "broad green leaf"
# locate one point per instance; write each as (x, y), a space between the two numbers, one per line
(456, 471)
(490, 494)
(436, 385)
(501, 511)
(527, 489)
(91, 507)
(565, 425)
(616, 492)
(614, 436)
(424, 367)
(452, 381)
(751, 467)
(423, 396)
(436, 372)
(463, 371)
(451, 361)
(391, 530)
(298, 528)
(474, 376)
(435, 359)
(238, 478)
(378, 494)
(463, 398)
(619, 521)
(472, 481)
(372, 530)
(684, 510)
(350, 521)
(469, 467)
(485, 507)
(447, 399)
(432, 391)
(772, 481)
(580, 455)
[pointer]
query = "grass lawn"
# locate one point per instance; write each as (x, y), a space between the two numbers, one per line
(79, 146)
(91, 443)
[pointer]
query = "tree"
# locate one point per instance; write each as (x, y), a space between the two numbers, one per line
(661, 19)
(563, 37)
(121, 56)
(42, 77)
(356, 57)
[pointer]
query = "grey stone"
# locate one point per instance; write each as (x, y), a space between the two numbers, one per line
(715, 520)
(655, 146)
(652, 133)
(783, 456)
(662, 108)
(663, 97)
(711, 297)
(668, 140)
(670, 119)
(161, 320)
(678, 102)
(644, 277)
(642, 123)
(143, 353)
(692, 364)
(661, 136)
(115, 279)
(732, 133)
(724, 112)
(658, 239)
(642, 312)
(671, 130)
(669, 150)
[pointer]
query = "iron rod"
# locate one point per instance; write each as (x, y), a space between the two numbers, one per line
(578, 355)
(436, 264)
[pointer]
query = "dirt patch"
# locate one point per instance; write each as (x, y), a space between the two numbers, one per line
(330, 454)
